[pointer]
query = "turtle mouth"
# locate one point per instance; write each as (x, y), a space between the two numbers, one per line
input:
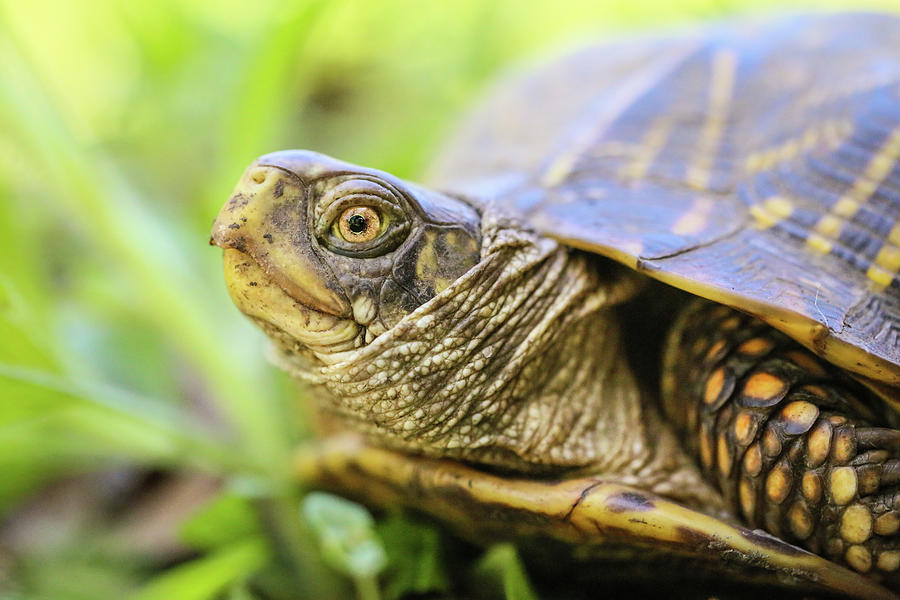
(258, 295)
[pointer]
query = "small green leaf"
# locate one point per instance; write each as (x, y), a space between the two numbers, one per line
(416, 562)
(501, 563)
(346, 534)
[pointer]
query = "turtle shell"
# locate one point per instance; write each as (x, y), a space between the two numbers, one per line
(754, 164)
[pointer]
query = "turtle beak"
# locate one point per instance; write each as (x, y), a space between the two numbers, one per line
(266, 221)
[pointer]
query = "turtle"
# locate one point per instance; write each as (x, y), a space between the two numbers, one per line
(646, 308)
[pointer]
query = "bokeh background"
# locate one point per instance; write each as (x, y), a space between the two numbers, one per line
(144, 441)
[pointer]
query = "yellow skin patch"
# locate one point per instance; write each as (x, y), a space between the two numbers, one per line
(764, 386)
(714, 386)
(818, 444)
(807, 363)
(887, 524)
(856, 524)
(800, 414)
(778, 484)
(811, 486)
(843, 448)
(859, 558)
(889, 561)
(743, 428)
(843, 484)
(724, 455)
(755, 346)
(801, 521)
(753, 460)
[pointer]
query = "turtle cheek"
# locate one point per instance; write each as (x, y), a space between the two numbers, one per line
(395, 302)
(439, 256)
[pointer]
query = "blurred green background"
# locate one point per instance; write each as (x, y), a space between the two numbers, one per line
(144, 442)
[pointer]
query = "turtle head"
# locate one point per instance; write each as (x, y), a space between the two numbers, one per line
(326, 256)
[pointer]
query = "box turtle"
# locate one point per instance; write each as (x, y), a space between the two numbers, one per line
(648, 308)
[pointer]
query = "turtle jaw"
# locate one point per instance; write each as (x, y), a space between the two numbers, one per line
(272, 273)
(265, 218)
(258, 296)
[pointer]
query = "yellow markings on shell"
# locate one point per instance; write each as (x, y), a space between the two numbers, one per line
(886, 265)
(894, 235)
(771, 211)
(828, 228)
(875, 173)
(827, 134)
(557, 172)
(881, 277)
(819, 243)
(649, 148)
(848, 87)
(721, 87)
(695, 219)
(888, 258)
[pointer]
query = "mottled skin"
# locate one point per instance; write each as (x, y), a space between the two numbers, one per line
(445, 326)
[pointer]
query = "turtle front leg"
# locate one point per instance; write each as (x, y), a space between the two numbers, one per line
(631, 532)
(787, 438)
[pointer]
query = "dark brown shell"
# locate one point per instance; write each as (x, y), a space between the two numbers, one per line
(753, 164)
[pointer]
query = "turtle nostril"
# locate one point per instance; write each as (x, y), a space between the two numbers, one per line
(259, 175)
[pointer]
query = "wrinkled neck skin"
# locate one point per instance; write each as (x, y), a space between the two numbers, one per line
(517, 365)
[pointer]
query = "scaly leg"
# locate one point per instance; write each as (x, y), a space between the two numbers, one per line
(790, 440)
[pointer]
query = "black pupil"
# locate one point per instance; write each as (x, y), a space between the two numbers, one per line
(357, 223)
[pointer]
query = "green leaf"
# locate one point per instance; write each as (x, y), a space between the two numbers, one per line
(346, 534)
(501, 563)
(206, 577)
(227, 519)
(123, 420)
(416, 562)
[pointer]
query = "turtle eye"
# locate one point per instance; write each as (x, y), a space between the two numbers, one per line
(361, 218)
(359, 224)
